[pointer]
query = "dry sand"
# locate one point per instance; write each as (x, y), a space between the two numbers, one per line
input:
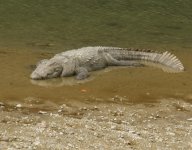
(115, 126)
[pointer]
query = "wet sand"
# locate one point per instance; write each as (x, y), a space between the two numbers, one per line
(116, 108)
(136, 84)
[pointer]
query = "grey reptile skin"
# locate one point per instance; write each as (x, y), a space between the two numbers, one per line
(81, 62)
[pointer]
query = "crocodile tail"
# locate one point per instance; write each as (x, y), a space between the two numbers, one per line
(166, 61)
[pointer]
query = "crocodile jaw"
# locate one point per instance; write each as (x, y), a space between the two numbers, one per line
(35, 76)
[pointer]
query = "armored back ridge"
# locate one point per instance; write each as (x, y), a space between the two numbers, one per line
(167, 61)
(84, 60)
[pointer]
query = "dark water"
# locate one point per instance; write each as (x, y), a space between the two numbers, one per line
(33, 30)
(69, 24)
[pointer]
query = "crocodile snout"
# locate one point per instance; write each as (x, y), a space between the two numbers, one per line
(35, 76)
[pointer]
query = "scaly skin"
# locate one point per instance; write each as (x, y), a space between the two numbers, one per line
(84, 60)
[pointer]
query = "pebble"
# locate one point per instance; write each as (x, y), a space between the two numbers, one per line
(42, 112)
(128, 143)
(18, 106)
(117, 113)
(171, 133)
(70, 145)
(121, 136)
(2, 104)
(87, 127)
(96, 108)
(83, 108)
(190, 119)
(80, 138)
(76, 133)
(59, 111)
(113, 127)
(37, 142)
(83, 90)
(118, 121)
(133, 132)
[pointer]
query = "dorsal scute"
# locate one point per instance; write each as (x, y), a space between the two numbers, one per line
(128, 49)
(172, 63)
(167, 61)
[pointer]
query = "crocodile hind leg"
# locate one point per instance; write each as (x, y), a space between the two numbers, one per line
(130, 63)
(114, 62)
(82, 73)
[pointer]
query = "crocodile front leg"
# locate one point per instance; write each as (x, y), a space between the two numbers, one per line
(69, 66)
(82, 73)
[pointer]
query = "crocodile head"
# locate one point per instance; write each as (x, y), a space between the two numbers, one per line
(47, 69)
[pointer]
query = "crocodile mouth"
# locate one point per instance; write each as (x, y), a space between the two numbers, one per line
(36, 76)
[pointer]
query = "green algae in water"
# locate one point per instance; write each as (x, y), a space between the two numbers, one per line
(76, 23)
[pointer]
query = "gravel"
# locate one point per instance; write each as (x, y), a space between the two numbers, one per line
(163, 125)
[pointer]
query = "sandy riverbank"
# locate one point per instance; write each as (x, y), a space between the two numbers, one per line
(163, 125)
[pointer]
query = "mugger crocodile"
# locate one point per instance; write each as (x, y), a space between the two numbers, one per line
(81, 61)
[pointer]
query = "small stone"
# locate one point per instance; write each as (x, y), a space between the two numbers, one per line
(96, 108)
(190, 119)
(83, 90)
(42, 112)
(70, 145)
(80, 139)
(171, 133)
(2, 104)
(133, 132)
(128, 143)
(83, 108)
(59, 111)
(36, 143)
(18, 106)
(113, 127)
(118, 121)
(121, 136)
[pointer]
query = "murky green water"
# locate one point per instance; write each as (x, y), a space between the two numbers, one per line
(33, 30)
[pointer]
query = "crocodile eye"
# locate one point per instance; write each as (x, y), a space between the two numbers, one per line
(55, 73)
(57, 69)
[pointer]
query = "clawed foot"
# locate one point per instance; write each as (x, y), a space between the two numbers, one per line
(82, 76)
(82, 73)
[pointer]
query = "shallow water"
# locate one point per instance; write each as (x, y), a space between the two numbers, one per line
(132, 84)
(33, 30)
